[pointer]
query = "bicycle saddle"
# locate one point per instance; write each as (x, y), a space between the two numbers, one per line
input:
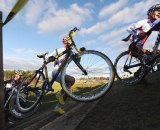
(42, 55)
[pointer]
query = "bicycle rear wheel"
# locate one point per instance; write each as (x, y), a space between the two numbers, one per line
(92, 85)
(129, 68)
(30, 92)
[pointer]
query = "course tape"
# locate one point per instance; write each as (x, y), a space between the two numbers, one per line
(18, 6)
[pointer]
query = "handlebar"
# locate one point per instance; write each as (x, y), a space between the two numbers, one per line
(71, 35)
(140, 37)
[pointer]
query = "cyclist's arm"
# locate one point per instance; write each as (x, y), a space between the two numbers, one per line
(135, 28)
(7, 81)
(54, 54)
(157, 25)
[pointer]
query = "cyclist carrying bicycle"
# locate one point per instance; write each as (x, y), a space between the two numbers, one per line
(61, 95)
(142, 27)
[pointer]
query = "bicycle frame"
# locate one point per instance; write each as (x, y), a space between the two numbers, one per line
(148, 63)
(69, 54)
(152, 60)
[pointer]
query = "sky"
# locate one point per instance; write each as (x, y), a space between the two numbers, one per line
(40, 26)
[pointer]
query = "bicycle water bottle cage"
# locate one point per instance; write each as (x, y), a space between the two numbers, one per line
(42, 55)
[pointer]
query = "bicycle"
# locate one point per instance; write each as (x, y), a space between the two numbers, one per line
(93, 72)
(11, 109)
(132, 66)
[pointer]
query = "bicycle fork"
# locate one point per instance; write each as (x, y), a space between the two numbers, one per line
(76, 60)
(125, 66)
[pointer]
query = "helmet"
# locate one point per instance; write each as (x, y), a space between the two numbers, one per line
(18, 72)
(66, 39)
(153, 8)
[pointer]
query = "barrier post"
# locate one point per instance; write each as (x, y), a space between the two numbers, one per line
(2, 112)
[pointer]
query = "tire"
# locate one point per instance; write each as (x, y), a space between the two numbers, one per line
(13, 109)
(133, 75)
(97, 82)
(30, 92)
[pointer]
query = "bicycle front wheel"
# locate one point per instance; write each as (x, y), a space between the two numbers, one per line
(90, 81)
(30, 92)
(129, 68)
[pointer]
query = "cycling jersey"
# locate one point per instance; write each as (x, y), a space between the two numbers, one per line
(143, 26)
(11, 83)
(55, 53)
(57, 62)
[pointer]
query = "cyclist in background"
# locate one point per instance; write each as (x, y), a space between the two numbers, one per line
(142, 27)
(61, 95)
(9, 84)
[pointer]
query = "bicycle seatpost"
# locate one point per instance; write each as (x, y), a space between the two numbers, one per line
(45, 68)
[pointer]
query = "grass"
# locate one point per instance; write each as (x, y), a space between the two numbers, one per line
(80, 87)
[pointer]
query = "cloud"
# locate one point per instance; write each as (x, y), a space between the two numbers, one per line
(6, 6)
(39, 9)
(89, 5)
(112, 8)
(113, 40)
(51, 18)
(24, 50)
(22, 58)
(89, 43)
(11, 63)
(33, 11)
(121, 17)
(19, 62)
(139, 11)
(95, 29)
(63, 18)
(113, 35)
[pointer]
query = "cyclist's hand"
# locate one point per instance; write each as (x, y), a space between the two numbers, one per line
(56, 62)
(50, 59)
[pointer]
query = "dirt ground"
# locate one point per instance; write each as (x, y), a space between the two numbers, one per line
(127, 108)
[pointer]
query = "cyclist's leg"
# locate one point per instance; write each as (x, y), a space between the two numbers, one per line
(139, 50)
(61, 95)
(70, 82)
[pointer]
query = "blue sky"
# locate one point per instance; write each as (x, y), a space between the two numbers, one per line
(41, 25)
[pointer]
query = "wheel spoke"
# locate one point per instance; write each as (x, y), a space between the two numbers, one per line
(96, 83)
